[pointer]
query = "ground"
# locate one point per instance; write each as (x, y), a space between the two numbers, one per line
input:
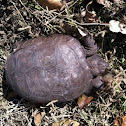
(22, 20)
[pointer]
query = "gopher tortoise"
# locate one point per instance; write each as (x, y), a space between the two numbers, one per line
(56, 67)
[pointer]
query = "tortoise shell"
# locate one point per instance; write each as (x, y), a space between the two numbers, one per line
(49, 68)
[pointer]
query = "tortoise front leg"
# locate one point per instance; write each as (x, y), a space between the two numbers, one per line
(97, 82)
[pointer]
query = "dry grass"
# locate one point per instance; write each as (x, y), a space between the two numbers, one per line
(21, 20)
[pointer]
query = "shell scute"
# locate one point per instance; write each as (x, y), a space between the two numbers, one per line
(19, 83)
(11, 64)
(35, 82)
(66, 57)
(56, 80)
(25, 58)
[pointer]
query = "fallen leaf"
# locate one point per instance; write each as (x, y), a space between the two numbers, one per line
(83, 101)
(120, 121)
(114, 26)
(101, 1)
(68, 29)
(81, 32)
(90, 16)
(107, 77)
(38, 118)
(66, 122)
(123, 28)
(124, 121)
(4, 103)
(51, 4)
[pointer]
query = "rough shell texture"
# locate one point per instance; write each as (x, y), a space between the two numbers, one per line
(49, 68)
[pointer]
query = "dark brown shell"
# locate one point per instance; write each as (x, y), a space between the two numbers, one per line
(49, 68)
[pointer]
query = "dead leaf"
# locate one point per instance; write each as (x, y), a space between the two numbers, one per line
(81, 32)
(123, 28)
(51, 4)
(107, 77)
(114, 26)
(4, 103)
(83, 101)
(120, 121)
(38, 118)
(101, 1)
(66, 122)
(90, 16)
(72, 30)
(124, 121)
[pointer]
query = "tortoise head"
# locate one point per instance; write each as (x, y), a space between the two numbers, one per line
(97, 64)
(102, 65)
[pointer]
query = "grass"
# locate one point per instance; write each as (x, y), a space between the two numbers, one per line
(22, 20)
